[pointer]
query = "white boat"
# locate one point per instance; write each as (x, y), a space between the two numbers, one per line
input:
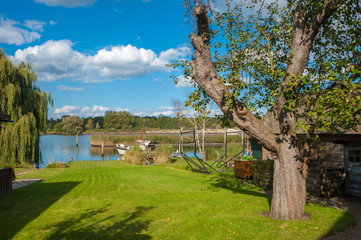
(122, 148)
(143, 144)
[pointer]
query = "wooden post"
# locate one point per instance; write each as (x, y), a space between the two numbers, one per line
(180, 149)
(77, 139)
(225, 143)
(102, 150)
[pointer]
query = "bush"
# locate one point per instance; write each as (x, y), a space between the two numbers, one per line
(247, 158)
(211, 154)
(163, 154)
(135, 155)
(262, 173)
(57, 165)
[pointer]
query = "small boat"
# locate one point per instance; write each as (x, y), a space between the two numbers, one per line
(143, 144)
(176, 154)
(122, 148)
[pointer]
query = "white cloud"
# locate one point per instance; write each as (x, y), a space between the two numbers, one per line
(165, 113)
(67, 110)
(86, 111)
(11, 34)
(52, 23)
(55, 60)
(52, 60)
(124, 61)
(66, 88)
(165, 108)
(183, 82)
(97, 110)
(66, 3)
(35, 25)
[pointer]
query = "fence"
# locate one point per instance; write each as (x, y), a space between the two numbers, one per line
(5, 181)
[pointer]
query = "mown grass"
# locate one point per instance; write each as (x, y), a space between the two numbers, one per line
(113, 200)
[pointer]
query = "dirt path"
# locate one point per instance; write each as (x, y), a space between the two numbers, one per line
(350, 204)
(24, 182)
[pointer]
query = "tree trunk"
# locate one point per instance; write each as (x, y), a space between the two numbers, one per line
(289, 185)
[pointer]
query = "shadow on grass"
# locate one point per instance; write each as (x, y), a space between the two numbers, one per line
(96, 224)
(20, 207)
(344, 222)
(229, 182)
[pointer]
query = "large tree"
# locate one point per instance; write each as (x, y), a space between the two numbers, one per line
(28, 108)
(301, 62)
(119, 120)
(72, 124)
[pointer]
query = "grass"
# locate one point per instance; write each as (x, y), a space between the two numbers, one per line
(113, 200)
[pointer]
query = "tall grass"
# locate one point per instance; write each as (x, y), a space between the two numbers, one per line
(110, 140)
(163, 153)
(212, 154)
(135, 156)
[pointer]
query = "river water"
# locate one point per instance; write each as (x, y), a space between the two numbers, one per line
(60, 148)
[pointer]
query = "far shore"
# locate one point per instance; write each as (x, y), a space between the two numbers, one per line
(135, 132)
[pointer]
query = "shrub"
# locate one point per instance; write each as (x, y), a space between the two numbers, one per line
(163, 154)
(211, 154)
(135, 155)
(262, 173)
(247, 158)
(57, 165)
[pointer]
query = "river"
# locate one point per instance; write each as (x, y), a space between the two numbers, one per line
(60, 148)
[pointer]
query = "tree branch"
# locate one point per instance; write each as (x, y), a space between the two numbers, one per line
(204, 74)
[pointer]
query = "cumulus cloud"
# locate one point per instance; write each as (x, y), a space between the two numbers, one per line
(52, 23)
(66, 88)
(97, 110)
(52, 60)
(183, 82)
(35, 25)
(67, 110)
(66, 3)
(124, 61)
(10, 33)
(86, 111)
(55, 60)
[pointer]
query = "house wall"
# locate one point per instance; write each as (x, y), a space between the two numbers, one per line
(332, 155)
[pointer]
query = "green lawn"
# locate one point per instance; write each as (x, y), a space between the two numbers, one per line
(112, 200)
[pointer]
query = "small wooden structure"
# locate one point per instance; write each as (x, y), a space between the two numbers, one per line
(5, 117)
(337, 155)
(6, 184)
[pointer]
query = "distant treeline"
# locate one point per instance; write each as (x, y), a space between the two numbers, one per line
(121, 121)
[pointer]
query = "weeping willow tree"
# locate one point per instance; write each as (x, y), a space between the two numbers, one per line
(28, 108)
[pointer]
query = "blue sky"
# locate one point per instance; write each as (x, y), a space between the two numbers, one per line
(99, 55)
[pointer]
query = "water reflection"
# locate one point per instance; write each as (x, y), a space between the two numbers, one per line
(60, 148)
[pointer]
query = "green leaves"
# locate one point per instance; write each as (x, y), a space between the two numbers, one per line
(28, 107)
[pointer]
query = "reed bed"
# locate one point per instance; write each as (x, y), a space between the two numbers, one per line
(111, 140)
(163, 154)
(135, 156)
